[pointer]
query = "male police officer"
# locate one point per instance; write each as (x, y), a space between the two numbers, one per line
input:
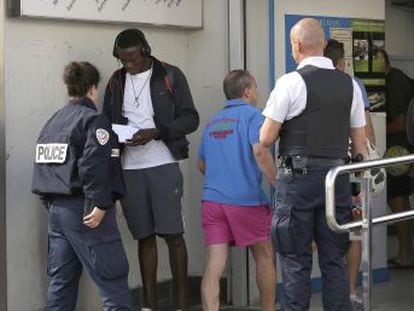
(313, 110)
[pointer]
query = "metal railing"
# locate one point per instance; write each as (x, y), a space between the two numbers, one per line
(367, 221)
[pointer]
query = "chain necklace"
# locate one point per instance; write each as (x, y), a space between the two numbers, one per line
(137, 95)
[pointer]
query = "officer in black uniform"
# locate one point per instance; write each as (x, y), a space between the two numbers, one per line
(77, 174)
(313, 110)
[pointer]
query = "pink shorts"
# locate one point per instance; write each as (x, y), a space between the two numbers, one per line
(235, 225)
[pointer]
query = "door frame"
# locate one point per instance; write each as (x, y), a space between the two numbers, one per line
(3, 229)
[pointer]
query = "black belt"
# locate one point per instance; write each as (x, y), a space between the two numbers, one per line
(325, 161)
(301, 164)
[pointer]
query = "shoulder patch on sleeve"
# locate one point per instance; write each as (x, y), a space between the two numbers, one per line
(102, 136)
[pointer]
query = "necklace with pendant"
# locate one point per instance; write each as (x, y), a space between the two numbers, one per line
(138, 94)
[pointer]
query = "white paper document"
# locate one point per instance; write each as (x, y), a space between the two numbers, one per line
(124, 132)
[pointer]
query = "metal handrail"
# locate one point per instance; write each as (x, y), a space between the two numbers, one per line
(357, 167)
(367, 220)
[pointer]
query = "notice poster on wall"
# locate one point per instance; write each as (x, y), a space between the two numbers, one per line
(344, 35)
(170, 13)
(369, 37)
(362, 38)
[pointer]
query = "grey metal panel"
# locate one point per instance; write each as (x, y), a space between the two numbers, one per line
(13, 7)
(3, 248)
(236, 34)
(239, 277)
(257, 55)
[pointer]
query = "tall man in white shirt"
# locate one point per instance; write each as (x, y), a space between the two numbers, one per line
(153, 97)
(313, 111)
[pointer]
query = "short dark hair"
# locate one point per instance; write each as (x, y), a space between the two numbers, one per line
(334, 50)
(385, 56)
(236, 82)
(79, 77)
(129, 38)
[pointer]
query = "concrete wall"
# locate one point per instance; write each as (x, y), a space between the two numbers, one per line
(207, 66)
(399, 38)
(35, 54)
(399, 25)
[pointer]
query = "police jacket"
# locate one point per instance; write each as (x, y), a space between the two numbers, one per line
(74, 156)
(174, 113)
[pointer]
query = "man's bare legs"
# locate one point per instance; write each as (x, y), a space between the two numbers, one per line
(148, 262)
(405, 255)
(217, 255)
(353, 261)
(263, 255)
(179, 267)
(354, 254)
(216, 258)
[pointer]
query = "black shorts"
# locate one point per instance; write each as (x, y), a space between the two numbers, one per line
(152, 204)
(398, 186)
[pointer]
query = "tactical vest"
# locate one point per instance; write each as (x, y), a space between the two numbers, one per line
(322, 129)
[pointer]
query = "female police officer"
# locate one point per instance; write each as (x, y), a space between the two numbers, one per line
(77, 173)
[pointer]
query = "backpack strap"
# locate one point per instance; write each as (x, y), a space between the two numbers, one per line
(168, 79)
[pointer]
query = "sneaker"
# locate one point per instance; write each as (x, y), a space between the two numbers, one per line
(356, 303)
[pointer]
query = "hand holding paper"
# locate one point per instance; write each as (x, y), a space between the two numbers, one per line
(143, 136)
(124, 132)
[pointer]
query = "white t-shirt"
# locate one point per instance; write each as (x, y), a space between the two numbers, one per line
(288, 98)
(137, 107)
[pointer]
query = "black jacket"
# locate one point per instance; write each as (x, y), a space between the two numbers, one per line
(410, 123)
(90, 166)
(174, 113)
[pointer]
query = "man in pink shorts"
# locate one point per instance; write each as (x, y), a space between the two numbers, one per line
(235, 208)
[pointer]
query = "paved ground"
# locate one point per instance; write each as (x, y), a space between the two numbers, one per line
(397, 294)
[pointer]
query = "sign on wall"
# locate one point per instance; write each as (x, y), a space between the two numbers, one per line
(362, 38)
(170, 13)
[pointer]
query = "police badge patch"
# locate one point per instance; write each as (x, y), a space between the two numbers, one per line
(115, 153)
(102, 136)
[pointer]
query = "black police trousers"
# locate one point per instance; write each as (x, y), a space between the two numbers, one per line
(299, 219)
(74, 246)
